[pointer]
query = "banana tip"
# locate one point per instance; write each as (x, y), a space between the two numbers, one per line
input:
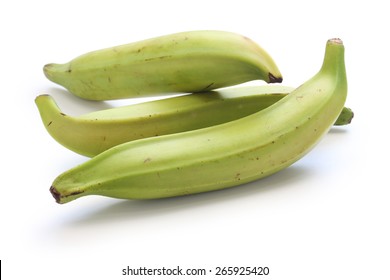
(47, 69)
(41, 96)
(52, 70)
(273, 79)
(335, 41)
(55, 194)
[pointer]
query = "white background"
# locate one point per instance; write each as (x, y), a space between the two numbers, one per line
(325, 217)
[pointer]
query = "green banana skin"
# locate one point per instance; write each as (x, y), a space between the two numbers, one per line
(220, 156)
(93, 133)
(186, 62)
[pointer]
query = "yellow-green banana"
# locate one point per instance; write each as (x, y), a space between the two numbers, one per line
(183, 62)
(93, 133)
(220, 156)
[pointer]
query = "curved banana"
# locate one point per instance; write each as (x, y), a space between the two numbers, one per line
(183, 62)
(93, 133)
(220, 156)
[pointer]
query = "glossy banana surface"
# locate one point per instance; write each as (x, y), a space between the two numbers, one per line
(93, 133)
(220, 156)
(186, 62)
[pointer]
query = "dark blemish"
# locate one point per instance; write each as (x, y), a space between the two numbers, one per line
(238, 176)
(273, 142)
(210, 85)
(158, 58)
(75, 193)
(206, 88)
(49, 123)
(147, 160)
(273, 79)
(69, 71)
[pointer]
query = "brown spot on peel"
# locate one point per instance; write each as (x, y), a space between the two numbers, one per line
(208, 86)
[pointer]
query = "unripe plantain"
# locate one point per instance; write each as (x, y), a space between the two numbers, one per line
(95, 132)
(183, 62)
(220, 156)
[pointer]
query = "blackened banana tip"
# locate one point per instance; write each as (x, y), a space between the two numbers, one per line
(55, 194)
(273, 79)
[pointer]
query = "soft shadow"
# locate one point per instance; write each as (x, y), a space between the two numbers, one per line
(338, 130)
(144, 209)
(73, 105)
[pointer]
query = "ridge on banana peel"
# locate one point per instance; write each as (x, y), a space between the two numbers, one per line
(92, 133)
(182, 62)
(220, 156)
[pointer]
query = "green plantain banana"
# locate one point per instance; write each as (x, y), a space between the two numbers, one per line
(220, 156)
(93, 133)
(183, 62)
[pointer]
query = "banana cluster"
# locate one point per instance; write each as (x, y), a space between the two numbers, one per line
(206, 140)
